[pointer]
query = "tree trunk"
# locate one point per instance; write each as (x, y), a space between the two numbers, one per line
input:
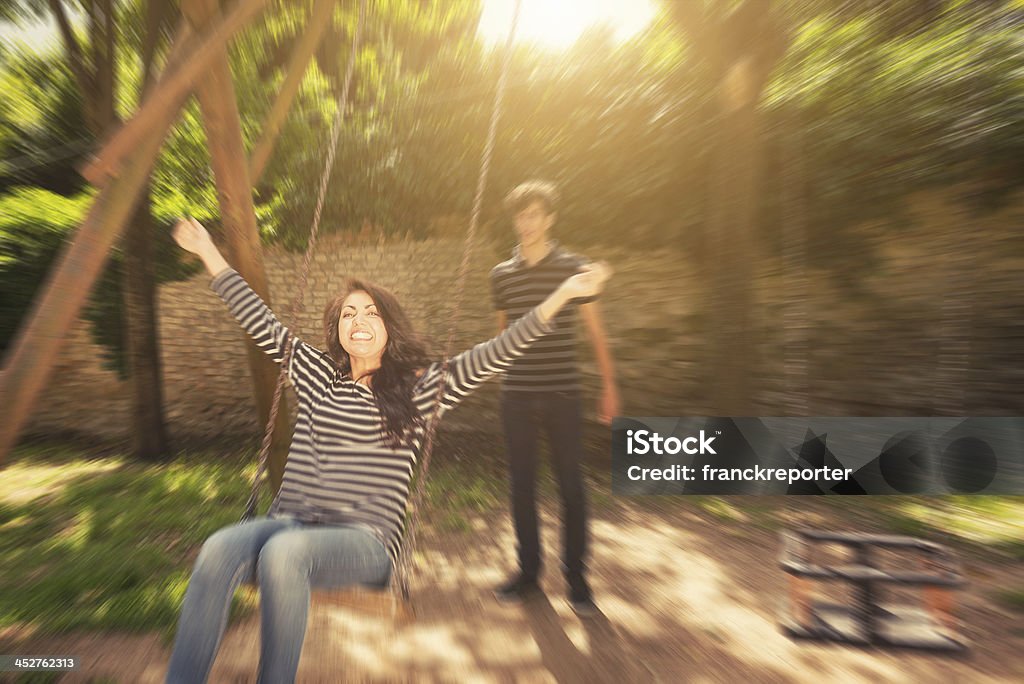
(138, 296)
(738, 51)
(735, 263)
(142, 351)
(148, 434)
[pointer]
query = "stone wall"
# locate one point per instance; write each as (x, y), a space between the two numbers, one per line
(884, 351)
(207, 385)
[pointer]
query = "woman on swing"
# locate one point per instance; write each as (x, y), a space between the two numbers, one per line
(339, 515)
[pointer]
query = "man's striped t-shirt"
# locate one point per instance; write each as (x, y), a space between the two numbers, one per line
(550, 365)
(340, 469)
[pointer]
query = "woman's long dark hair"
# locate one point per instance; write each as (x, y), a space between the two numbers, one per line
(404, 355)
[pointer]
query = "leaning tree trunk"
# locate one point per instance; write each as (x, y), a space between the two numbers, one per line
(222, 123)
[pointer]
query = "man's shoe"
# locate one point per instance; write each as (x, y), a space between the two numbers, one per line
(518, 589)
(581, 600)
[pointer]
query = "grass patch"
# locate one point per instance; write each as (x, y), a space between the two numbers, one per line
(458, 490)
(108, 544)
(995, 522)
(721, 508)
(1012, 598)
(36, 678)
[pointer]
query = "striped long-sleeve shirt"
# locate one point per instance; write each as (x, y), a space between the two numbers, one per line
(340, 469)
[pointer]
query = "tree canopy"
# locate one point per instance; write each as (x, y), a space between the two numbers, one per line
(879, 99)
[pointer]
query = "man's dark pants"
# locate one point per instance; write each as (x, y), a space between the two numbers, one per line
(559, 414)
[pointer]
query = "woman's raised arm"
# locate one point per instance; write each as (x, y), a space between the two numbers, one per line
(471, 368)
(310, 370)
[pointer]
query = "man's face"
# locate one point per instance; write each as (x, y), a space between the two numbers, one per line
(533, 223)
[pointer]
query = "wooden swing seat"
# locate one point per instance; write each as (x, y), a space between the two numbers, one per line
(378, 602)
(370, 601)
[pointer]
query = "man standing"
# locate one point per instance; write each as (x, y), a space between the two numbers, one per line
(541, 391)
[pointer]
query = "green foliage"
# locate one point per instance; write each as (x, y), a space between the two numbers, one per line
(881, 104)
(34, 223)
(42, 131)
(42, 198)
(182, 180)
(875, 100)
(21, 10)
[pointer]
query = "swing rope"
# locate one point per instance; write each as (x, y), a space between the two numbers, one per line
(407, 553)
(297, 303)
(405, 564)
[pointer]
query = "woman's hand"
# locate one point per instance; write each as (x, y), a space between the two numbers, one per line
(588, 282)
(192, 237)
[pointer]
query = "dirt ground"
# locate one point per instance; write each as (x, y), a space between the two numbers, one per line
(683, 597)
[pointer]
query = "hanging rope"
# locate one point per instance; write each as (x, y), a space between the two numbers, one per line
(409, 548)
(297, 303)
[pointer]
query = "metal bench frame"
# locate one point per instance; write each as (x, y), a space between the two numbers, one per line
(868, 622)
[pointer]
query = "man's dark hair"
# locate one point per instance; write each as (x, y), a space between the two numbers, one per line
(525, 194)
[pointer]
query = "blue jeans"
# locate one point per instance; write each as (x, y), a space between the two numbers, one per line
(287, 558)
(559, 414)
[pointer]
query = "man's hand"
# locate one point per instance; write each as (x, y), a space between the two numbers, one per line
(608, 406)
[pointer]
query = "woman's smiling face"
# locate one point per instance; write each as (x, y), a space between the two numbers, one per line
(361, 329)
